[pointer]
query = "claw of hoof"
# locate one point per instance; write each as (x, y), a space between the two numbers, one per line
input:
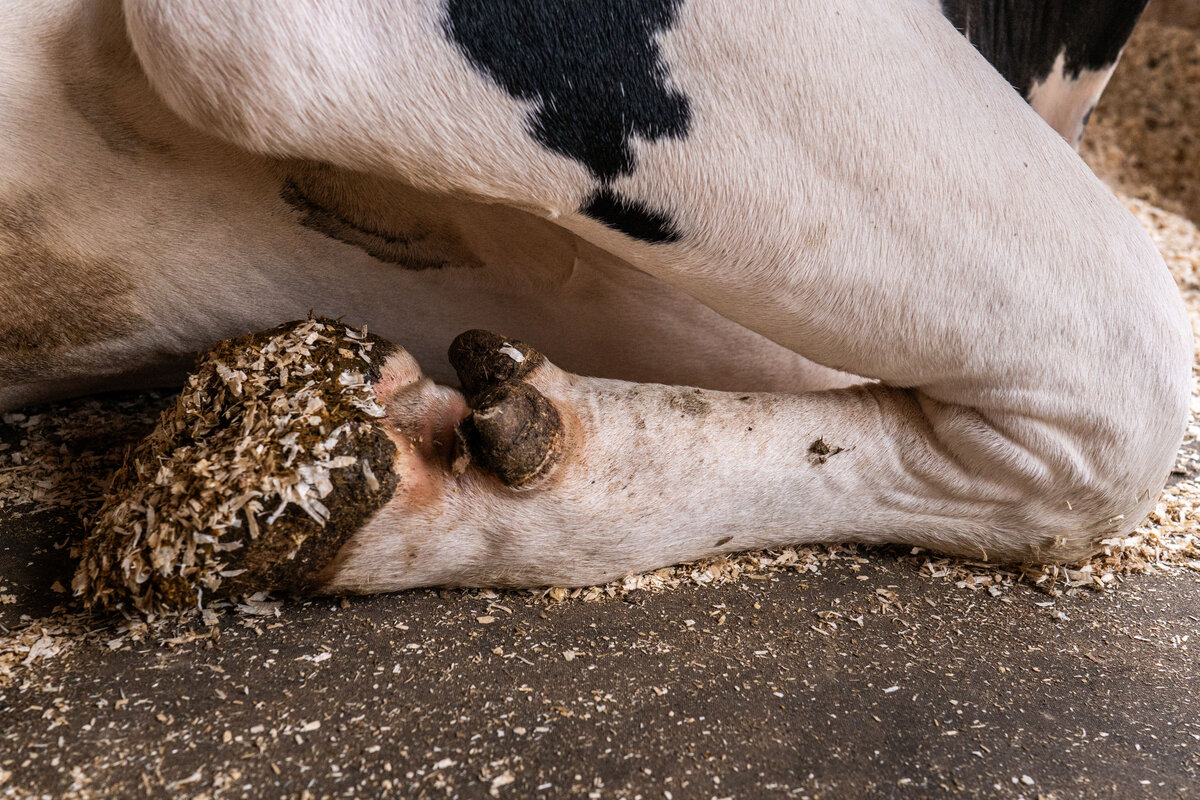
(515, 433)
(483, 359)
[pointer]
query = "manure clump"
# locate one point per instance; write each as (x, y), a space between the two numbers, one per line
(270, 459)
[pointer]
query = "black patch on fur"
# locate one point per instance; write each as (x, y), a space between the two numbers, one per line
(595, 74)
(1022, 38)
(630, 217)
(591, 66)
(1087, 118)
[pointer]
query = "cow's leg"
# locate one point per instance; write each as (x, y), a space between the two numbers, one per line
(877, 199)
(534, 476)
(554, 478)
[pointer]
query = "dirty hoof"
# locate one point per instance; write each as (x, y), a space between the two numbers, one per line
(483, 360)
(514, 431)
(271, 458)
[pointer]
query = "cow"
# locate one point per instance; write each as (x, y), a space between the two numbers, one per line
(767, 273)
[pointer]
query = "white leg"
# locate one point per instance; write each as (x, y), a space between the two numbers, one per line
(616, 477)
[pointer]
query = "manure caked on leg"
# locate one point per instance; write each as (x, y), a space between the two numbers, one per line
(284, 443)
(273, 455)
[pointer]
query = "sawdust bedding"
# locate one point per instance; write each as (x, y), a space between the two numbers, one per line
(1144, 140)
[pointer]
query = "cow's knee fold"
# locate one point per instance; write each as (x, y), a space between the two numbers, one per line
(1043, 489)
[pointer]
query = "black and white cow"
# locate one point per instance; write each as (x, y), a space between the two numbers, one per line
(917, 316)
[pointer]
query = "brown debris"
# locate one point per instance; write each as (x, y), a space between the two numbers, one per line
(267, 462)
(483, 360)
(819, 452)
(690, 403)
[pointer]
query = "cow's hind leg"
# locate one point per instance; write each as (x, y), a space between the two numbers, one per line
(534, 476)
(877, 199)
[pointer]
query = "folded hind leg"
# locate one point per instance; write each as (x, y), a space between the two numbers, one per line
(851, 180)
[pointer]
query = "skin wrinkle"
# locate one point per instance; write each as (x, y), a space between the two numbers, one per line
(339, 205)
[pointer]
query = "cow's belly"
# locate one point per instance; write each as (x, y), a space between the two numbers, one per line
(198, 246)
(421, 268)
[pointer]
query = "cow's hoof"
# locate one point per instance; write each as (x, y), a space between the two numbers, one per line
(514, 431)
(274, 454)
(285, 443)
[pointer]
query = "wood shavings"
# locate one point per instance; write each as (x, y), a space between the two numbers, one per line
(252, 479)
(62, 458)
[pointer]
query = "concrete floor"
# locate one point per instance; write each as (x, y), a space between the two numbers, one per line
(917, 689)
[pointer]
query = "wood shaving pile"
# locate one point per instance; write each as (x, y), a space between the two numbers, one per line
(269, 458)
(63, 457)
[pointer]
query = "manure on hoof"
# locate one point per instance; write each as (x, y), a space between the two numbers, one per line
(483, 359)
(270, 459)
(514, 431)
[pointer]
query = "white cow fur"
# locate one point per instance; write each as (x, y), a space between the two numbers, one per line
(862, 195)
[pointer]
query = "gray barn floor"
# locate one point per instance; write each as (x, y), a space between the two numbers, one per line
(741, 690)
